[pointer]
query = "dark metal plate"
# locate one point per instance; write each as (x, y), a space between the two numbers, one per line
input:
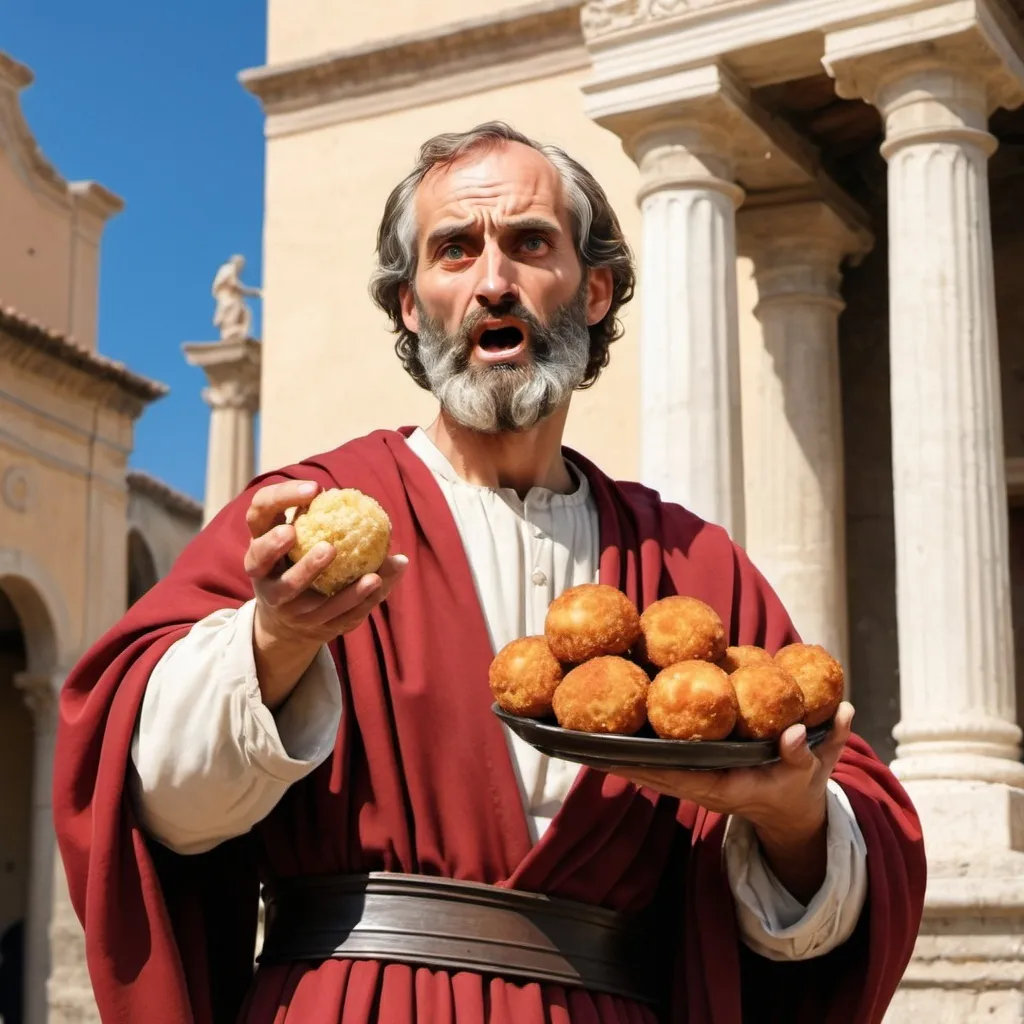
(645, 750)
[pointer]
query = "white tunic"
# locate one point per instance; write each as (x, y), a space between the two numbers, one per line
(211, 760)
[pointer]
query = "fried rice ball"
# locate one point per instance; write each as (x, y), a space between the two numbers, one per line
(355, 524)
(607, 694)
(681, 629)
(818, 675)
(590, 621)
(769, 701)
(739, 657)
(524, 675)
(692, 700)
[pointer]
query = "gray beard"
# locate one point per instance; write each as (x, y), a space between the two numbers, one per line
(506, 397)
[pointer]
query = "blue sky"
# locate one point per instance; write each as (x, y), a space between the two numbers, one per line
(144, 99)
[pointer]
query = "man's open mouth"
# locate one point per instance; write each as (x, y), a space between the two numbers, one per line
(501, 339)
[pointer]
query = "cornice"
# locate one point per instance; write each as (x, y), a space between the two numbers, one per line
(416, 69)
(26, 344)
(20, 145)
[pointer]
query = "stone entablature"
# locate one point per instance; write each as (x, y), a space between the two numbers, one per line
(533, 41)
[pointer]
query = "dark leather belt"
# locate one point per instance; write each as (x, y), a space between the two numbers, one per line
(464, 926)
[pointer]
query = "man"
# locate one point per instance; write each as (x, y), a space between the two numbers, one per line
(235, 724)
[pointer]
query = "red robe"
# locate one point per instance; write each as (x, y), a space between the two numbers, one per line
(169, 939)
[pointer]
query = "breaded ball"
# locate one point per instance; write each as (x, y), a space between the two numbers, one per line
(355, 524)
(739, 657)
(607, 694)
(524, 675)
(818, 675)
(590, 621)
(681, 629)
(692, 700)
(769, 701)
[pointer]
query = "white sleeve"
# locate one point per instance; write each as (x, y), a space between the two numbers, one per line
(771, 921)
(210, 758)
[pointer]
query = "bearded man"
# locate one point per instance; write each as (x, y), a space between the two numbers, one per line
(420, 864)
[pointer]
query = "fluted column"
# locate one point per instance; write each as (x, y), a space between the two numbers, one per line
(958, 714)
(233, 393)
(794, 465)
(691, 440)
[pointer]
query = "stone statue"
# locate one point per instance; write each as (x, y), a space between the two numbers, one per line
(232, 317)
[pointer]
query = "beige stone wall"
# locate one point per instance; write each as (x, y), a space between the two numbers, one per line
(329, 370)
(34, 243)
(299, 29)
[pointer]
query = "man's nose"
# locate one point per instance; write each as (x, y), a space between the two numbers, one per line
(497, 283)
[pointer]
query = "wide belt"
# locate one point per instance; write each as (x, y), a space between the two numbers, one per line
(465, 926)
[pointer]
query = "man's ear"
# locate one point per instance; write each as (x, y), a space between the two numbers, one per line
(599, 294)
(410, 315)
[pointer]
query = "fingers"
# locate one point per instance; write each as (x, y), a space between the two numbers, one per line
(358, 600)
(793, 748)
(829, 751)
(269, 503)
(296, 579)
(267, 550)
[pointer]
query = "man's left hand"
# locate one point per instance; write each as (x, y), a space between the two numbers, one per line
(785, 802)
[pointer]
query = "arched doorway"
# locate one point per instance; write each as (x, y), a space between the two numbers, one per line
(142, 572)
(17, 759)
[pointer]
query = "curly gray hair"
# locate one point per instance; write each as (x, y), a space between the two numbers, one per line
(597, 235)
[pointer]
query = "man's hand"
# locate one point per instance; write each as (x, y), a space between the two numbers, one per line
(785, 801)
(292, 621)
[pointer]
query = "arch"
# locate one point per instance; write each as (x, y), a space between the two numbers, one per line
(42, 609)
(142, 572)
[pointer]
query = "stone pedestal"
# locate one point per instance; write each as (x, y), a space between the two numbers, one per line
(233, 394)
(691, 431)
(794, 469)
(959, 744)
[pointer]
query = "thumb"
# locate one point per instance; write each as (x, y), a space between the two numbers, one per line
(793, 748)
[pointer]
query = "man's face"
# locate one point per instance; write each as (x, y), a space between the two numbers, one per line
(500, 304)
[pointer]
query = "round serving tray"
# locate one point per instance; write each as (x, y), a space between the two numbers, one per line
(645, 750)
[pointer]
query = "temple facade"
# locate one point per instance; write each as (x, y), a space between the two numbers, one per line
(826, 353)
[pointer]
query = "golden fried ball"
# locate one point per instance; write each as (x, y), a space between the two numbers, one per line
(607, 694)
(524, 675)
(739, 657)
(818, 675)
(681, 629)
(692, 700)
(769, 701)
(355, 524)
(589, 621)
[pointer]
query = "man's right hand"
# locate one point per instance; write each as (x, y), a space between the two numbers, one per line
(292, 621)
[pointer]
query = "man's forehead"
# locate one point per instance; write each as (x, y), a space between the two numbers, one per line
(500, 181)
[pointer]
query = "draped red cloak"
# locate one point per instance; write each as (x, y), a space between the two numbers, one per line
(421, 781)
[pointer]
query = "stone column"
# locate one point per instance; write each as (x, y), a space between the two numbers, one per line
(233, 394)
(40, 693)
(958, 748)
(794, 467)
(691, 431)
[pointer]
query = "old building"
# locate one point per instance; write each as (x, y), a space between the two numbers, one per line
(826, 353)
(81, 536)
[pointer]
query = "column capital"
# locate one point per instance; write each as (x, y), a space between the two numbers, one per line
(908, 56)
(797, 249)
(232, 371)
(708, 108)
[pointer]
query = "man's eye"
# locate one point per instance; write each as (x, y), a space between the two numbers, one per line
(453, 252)
(535, 243)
